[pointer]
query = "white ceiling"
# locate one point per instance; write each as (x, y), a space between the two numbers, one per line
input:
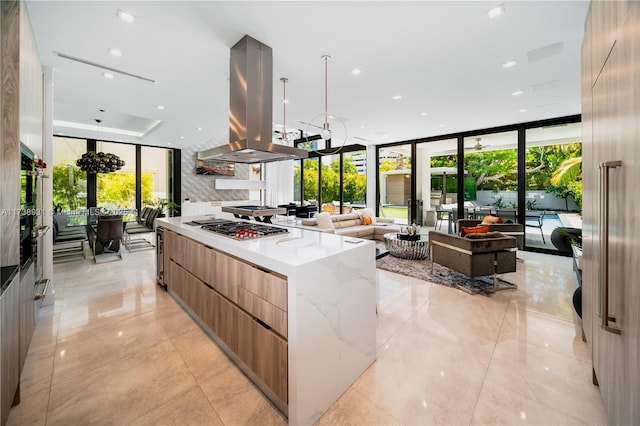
(443, 58)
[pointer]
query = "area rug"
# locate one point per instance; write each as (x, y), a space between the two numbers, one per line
(421, 269)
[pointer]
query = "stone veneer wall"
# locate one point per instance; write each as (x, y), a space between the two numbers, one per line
(202, 187)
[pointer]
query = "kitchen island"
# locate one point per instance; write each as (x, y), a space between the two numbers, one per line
(295, 311)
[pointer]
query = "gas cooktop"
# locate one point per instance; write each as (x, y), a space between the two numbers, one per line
(243, 230)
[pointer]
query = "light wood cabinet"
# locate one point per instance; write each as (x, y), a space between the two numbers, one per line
(242, 305)
(264, 352)
(271, 315)
(266, 285)
(27, 312)
(611, 133)
(9, 346)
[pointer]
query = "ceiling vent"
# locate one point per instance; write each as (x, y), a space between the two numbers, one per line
(545, 52)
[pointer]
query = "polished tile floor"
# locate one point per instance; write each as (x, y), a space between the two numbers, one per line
(114, 348)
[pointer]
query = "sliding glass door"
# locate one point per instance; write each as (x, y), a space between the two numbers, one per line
(554, 187)
(395, 182)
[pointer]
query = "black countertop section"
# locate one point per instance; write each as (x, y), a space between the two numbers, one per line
(8, 273)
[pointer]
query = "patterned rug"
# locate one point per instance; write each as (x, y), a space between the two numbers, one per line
(421, 269)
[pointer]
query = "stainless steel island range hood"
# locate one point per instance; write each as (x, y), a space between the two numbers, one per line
(251, 109)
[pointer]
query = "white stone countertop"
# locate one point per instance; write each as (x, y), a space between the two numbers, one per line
(281, 253)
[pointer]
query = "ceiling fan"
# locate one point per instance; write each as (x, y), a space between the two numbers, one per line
(474, 148)
(477, 147)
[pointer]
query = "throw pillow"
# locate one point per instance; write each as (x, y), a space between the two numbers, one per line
(323, 220)
(489, 220)
(366, 220)
(369, 212)
(480, 229)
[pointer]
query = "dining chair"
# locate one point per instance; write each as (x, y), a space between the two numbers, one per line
(536, 220)
(441, 215)
(108, 236)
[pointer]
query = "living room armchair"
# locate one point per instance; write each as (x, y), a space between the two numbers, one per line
(481, 255)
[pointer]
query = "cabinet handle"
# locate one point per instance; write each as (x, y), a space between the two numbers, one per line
(605, 318)
(210, 286)
(262, 323)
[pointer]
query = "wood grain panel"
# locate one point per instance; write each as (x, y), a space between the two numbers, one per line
(611, 127)
(9, 346)
(27, 313)
(271, 315)
(588, 167)
(266, 285)
(226, 277)
(265, 353)
(226, 321)
(10, 143)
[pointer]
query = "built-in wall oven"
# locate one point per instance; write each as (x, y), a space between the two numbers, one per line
(28, 212)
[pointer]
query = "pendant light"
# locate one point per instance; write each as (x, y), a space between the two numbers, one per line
(325, 131)
(285, 135)
(99, 162)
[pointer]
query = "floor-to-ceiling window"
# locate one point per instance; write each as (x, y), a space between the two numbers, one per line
(154, 164)
(69, 181)
(527, 173)
(75, 190)
(394, 168)
(330, 183)
(554, 185)
(117, 190)
(437, 182)
(310, 175)
(491, 174)
(354, 179)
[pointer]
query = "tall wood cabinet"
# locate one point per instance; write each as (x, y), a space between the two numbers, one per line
(242, 306)
(611, 207)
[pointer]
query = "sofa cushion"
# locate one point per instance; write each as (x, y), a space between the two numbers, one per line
(480, 229)
(480, 235)
(367, 220)
(360, 231)
(323, 220)
(489, 220)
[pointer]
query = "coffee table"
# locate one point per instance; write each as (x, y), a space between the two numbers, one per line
(407, 249)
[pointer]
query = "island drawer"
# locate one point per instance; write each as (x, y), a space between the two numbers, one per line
(271, 315)
(266, 285)
(265, 353)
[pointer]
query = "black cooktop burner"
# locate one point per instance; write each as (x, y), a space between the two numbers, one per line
(243, 230)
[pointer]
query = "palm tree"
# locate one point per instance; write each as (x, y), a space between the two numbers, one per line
(568, 171)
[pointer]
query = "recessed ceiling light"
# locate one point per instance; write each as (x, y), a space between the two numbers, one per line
(356, 71)
(496, 11)
(397, 97)
(442, 125)
(517, 93)
(181, 137)
(285, 101)
(522, 110)
(115, 52)
(125, 16)
(61, 134)
(169, 143)
(509, 64)
(424, 114)
(198, 128)
(362, 127)
(160, 106)
(107, 75)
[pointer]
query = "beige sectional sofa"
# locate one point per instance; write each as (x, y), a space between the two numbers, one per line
(351, 225)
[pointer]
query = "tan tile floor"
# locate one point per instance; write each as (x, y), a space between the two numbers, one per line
(116, 349)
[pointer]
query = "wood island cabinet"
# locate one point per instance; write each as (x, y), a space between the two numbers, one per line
(241, 305)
